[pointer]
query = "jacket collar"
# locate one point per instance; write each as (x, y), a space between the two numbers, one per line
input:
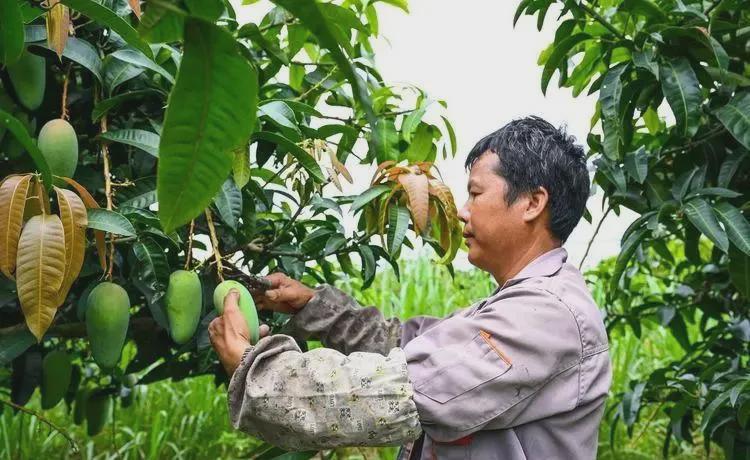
(546, 264)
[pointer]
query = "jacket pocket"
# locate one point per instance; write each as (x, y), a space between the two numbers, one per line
(459, 369)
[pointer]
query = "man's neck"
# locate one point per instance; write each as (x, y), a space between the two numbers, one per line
(522, 257)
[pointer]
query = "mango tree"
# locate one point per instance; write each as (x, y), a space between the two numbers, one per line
(670, 137)
(151, 151)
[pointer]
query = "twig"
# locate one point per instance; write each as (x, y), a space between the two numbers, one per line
(189, 254)
(591, 241)
(591, 12)
(45, 420)
(215, 244)
(64, 101)
(108, 193)
(648, 423)
(316, 85)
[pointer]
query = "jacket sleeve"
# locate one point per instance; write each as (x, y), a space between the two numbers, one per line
(322, 398)
(341, 323)
(487, 369)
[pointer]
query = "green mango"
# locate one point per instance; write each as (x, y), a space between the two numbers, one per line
(28, 77)
(79, 407)
(59, 146)
(107, 317)
(56, 373)
(98, 409)
(184, 301)
(247, 305)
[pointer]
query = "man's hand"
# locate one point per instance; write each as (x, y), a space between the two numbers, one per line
(286, 295)
(229, 334)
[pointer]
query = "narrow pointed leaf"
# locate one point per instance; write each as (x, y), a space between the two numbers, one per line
(416, 187)
(683, 93)
(736, 225)
(83, 53)
(368, 265)
(300, 154)
(74, 220)
(103, 107)
(610, 96)
(40, 270)
(103, 15)
(702, 217)
(211, 111)
(735, 116)
(368, 195)
(110, 222)
(739, 271)
(627, 250)
(398, 224)
(154, 268)
(241, 167)
(139, 138)
(58, 25)
(229, 203)
(560, 55)
(11, 32)
(136, 57)
(91, 203)
(13, 192)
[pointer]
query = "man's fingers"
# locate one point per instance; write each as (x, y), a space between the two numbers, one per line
(264, 330)
(232, 300)
(276, 279)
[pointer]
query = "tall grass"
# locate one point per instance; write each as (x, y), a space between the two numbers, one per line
(188, 420)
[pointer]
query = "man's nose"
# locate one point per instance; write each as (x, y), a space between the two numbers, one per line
(463, 214)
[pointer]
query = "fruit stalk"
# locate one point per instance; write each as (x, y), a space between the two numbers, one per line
(215, 244)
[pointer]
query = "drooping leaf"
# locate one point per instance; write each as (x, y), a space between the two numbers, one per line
(451, 135)
(735, 116)
(241, 167)
(739, 271)
(559, 55)
(636, 163)
(110, 221)
(139, 59)
(13, 344)
(683, 93)
(11, 32)
(91, 203)
(160, 24)
(251, 31)
(81, 52)
(229, 203)
(140, 138)
(368, 265)
(58, 24)
(387, 139)
(154, 268)
(699, 212)
(103, 15)
(117, 72)
(736, 225)
(300, 154)
(627, 250)
(609, 97)
(368, 195)
(398, 224)
(729, 168)
(22, 136)
(40, 269)
(103, 107)
(74, 221)
(416, 187)
(211, 111)
(13, 192)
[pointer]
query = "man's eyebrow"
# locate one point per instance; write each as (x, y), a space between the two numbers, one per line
(471, 182)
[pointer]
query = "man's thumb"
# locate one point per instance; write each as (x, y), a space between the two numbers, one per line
(231, 301)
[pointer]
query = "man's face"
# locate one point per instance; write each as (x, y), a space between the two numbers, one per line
(491, 226)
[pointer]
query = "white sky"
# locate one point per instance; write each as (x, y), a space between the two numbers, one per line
(468, 54)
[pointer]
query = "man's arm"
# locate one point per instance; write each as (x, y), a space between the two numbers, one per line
(322, 398)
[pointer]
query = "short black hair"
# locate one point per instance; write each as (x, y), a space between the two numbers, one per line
(533, 154)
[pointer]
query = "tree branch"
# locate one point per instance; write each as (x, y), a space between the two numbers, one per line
(39, 416)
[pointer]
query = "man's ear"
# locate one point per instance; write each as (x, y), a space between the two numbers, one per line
(536, 204)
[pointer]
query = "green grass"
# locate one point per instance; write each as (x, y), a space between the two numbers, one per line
(189, 419)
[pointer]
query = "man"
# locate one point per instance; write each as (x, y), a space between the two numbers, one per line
(522, 374)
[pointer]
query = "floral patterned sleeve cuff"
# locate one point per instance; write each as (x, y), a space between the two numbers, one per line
(322, 398)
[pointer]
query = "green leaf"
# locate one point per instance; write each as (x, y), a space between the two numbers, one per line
(18, 130)
(251, 31)
(729, 167)
(229, 204)
(683, 93)
(627, 250)
(398, 224)
(141, 195)
(13, 344)
(699, 213)
(241, 167)
(11, 32)
(652, 120)
(636, 163)
(411, 121)
(103, 107)
(81, 52)
(136, 58)
(610, 94)
(211, 111)
(153, 268)
(335, 243)
(109, 18)
(117, 72)
(368, 265)
(735, 116)
(160, 24)
(385, 131)
(300, 154)
(402, 4)
(451, 135)
(139, 138)
(645, 8)
(737, 227)
(280, 113)
(368, 195)
(109, 221)
(739, 271)
(310, 14)
(560, 55)
(421, 147)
